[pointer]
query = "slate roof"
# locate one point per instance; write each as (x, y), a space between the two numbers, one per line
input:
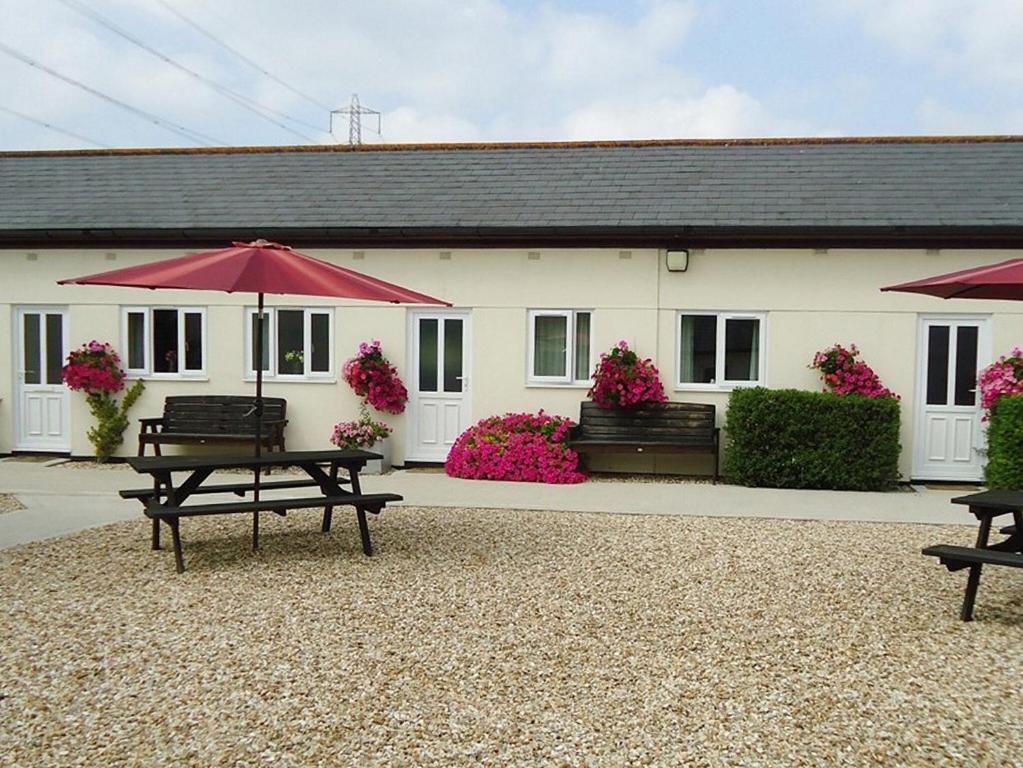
(972, 184)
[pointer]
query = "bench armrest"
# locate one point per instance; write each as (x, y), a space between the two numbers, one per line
(150, 424)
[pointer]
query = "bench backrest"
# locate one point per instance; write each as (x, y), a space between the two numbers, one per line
(685, 423)
(211, 414)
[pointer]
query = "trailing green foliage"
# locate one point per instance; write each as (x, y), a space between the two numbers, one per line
(1004, 469)
(788, 438)
(111, 419)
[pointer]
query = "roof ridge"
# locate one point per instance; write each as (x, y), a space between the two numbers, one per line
(516, 145)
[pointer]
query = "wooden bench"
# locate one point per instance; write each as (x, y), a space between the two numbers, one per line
(647, 428)
(205, 419)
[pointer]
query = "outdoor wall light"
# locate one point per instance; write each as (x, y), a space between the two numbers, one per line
(677, 260)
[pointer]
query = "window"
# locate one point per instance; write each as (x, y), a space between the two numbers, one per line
(559, 346)
(719, 349)
(297, 343)
(164, 341)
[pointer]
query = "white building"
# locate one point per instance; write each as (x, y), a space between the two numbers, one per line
(729, 263)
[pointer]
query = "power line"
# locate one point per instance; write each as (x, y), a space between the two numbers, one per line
(181, 130)
(254, 107)
(54, 128)
(211, 36)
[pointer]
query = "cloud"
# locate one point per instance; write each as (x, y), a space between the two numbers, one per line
(439, 71)
(979, 39)
(717, 112)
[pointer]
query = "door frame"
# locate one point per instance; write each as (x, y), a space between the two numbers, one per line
(984, 357)
(20, 310)
(412, 433)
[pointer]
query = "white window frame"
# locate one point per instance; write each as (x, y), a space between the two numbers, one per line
(721, 384)
(568, 380)
(147, 372)
(307, 339)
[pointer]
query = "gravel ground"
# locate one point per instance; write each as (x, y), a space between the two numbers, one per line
(9, 504)
(478, 637)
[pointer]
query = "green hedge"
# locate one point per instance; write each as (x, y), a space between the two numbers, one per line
(1005, 444)
(789, 438)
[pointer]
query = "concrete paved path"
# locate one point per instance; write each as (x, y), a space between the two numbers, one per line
(60, 499)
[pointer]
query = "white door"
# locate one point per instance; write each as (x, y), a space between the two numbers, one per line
(439, 392)
(42, 402)
(949, 437)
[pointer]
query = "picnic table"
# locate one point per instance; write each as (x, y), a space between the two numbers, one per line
(985, 506)
(165, 500)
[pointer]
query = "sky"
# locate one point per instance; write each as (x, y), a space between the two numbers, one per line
(506, 70)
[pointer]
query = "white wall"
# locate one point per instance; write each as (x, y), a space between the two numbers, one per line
(811, 300)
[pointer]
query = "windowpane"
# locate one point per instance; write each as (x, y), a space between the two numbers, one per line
(966, 365)
(937, 365)
(193, 341)
(54, 348)
(136, 341)
(33, 349)
(582, 346)
(452, 355)
(550, 345)
(427, 355)
(742, 349)
(165, 341)
(698, 349)
(256, 356)
(320, 345)
(291, 341)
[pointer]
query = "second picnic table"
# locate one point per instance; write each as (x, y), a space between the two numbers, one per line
(165, 500)
(985, 506)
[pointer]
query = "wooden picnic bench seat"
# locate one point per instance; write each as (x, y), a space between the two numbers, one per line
(239, 489)
(957, 558)
(647, 428)
(206, 419)
(363, 503)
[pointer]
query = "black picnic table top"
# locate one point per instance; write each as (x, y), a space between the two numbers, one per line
(992, 502)
(158, 464)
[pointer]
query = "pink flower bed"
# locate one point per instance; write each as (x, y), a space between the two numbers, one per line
(94, 367)
(375, 380)
(1002, 377)
(623, 379)
(527, 447)
(843, 374)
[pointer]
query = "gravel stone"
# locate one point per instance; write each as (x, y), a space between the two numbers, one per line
(482, 637)
(9, 503)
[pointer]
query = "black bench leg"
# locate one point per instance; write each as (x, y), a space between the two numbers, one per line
(971, 593)
(328, 512)
(367, 547)
(156, 533)
(255, 531)
(179, 560)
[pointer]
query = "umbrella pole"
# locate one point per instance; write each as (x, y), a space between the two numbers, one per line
(259, 415)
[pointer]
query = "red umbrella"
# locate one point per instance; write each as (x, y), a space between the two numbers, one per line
(994, 281)
(259, 267)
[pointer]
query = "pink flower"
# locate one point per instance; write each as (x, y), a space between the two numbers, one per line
(374, 379)
(843, 374)
(93, 367)
(622, 379)
(517, 446)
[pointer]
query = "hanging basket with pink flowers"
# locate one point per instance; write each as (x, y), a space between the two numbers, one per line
(375, 380)
(623, 380)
